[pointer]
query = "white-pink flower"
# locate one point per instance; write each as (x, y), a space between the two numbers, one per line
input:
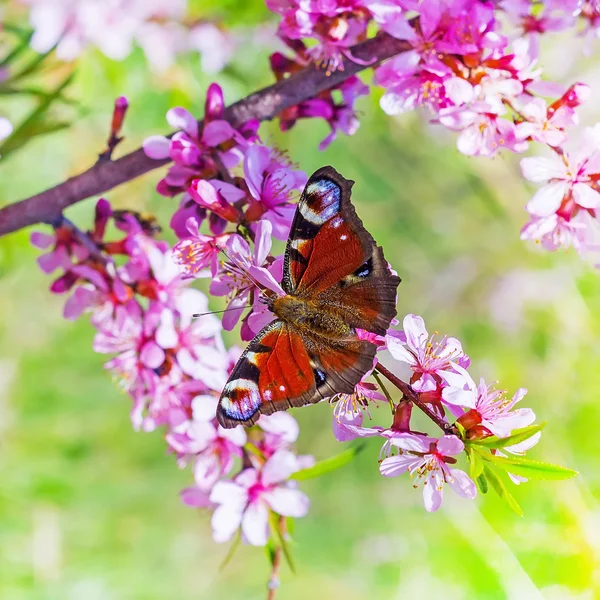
(428, 359)
(238, 278)
(494, 409)
(247, 500)
(349, 412)
(428, 459)
(570, 176)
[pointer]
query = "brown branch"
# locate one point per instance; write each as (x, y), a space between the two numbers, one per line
(413, 396)
(263, 105)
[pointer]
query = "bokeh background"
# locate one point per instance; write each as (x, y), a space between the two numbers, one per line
(89, 509)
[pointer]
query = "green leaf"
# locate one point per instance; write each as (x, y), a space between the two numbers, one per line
(329, 464)
(517, 436)
(18, 49)
(532, 469)
(475, 463)
(34, 121)
(234, 546)
(276, 529)
(270, 550)
(498, 486)
(482, 484)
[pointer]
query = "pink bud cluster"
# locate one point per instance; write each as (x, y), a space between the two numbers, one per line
(243, 191)
(474, 66)
(465, 410)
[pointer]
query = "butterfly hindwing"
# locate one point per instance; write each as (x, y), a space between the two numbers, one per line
(332, 257)
(274, 373)
(282, 368)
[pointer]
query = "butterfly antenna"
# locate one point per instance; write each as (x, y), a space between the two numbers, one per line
(216, 312)
(260, 287)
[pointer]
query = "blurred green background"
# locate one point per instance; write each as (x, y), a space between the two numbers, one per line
(90, 509)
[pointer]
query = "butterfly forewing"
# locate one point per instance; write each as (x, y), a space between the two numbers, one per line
(331, 257)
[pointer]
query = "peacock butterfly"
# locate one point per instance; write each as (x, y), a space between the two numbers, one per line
(337, 281)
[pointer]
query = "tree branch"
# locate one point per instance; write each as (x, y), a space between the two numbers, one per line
(263, 105)
(413, 396)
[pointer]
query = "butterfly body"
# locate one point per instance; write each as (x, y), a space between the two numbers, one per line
(311, 317)
(336, 282)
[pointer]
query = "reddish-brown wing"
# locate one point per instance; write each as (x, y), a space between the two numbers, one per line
(281, 368)
(332, 259)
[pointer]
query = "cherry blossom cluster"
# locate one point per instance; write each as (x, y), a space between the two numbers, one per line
(174, 368)
(474, 66)
(160, 27)
(242, 191)
(465, 411)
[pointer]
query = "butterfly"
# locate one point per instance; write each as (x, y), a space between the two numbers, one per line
(336, 281)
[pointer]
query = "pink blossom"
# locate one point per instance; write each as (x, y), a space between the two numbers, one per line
(482, 131)
(340, 116)
(490, 408)
(581, 231)
(272, 182)
(247, 499)
(215, 449)
(336, 26)
(428, 459)
(570, 176)
(238, 278)
(350, 409)
(196, 253)
(280, 431)
(66, 249)
(429, 360)
(193, 146)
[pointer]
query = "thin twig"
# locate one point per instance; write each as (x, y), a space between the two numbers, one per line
(385, 392)
(274, 582)
(413, 396)
(83, 238)
(263, 105)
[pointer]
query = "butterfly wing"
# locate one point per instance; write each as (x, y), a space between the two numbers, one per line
(332, 258)
(282, 368)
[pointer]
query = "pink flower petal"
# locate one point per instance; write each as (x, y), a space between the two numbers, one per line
(433, 494)
(152, 355)
(416, 334)
(462, 484)
(410, 441)
(396, 465)
(157, 147)
(42, 240)
(180, 118)
(217, 132)
(540, 169)
(195, 497)
(255, 524)
(585, 196)
(279, 467)
(449, 445)
(547, 199)
(225, 521)
(287, 502)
